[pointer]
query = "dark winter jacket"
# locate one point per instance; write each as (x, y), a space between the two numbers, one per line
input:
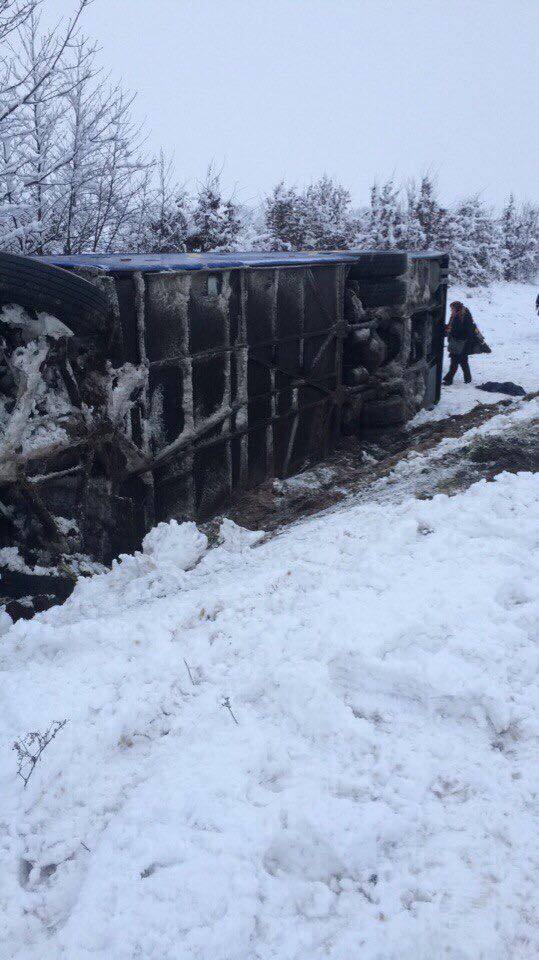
(463, 336)
(461, 325)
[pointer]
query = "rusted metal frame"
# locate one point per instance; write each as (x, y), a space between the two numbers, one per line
(194, 442)
(140, 296)
(440, 330)
(292, 433)
(243, 344)
(242, 378)
(300, 378)
(310, 279)
(330, 332)
(59, 475)
(270, 439)
(321, 350)
(229, 435)
(259, 425)
(425, 307)
(342, 274)
(9, 469)
(340, 327)
(182, 443)
(334, 329)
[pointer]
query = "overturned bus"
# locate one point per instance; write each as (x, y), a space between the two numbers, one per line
(236, 368)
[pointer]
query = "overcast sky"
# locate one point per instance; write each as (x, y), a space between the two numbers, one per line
(360, 89)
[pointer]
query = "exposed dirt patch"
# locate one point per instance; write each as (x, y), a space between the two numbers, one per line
(358, 466)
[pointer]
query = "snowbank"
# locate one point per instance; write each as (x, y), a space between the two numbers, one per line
(321, 746)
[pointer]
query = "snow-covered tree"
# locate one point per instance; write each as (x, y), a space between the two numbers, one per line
(326, 212)
(41, 148)
(167, 214)
(429, 225)
(102, 181)
(31, 81)
(216, 222)
(71, 165)
(413, 234)
(384, 225)
(476, 246)
(284, 221)
(318, 218)
(74, 177)
(519, 226)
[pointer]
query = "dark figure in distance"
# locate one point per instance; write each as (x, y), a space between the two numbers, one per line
(537, 304)
(462, 333)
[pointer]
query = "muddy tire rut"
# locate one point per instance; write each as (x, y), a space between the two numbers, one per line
(376, 466)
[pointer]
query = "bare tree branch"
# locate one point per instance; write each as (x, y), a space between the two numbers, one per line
(30, 748)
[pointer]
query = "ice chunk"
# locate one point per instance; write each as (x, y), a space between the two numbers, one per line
(236, 539)
(178, 544)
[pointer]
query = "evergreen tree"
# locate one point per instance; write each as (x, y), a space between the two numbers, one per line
(415, 234)
(168, 214)
(430, 222)
(529, 243)
(476, 244)
(216, 222)
(326, 214)
(318, 219)
(520, 240)
(284, 219)
(385, 225)
(510, 239)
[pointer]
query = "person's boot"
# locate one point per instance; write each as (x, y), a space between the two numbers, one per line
(468, 379)
(447, 381)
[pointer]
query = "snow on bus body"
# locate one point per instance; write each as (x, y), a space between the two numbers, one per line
(42, 325)
(245, 358)
(287, 749)
(159, 262)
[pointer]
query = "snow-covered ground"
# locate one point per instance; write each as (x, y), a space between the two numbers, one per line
(505, 314)
(319, 746)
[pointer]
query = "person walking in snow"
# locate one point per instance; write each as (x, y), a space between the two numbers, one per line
(463, 338)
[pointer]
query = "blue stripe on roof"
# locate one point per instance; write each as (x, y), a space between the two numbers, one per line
(117, 263)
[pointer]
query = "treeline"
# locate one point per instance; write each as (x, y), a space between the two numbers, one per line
(76, 176)
(484, 245)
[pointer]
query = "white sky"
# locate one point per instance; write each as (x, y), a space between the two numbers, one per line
(360, 89)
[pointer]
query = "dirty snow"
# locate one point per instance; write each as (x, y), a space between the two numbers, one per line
(321, 745)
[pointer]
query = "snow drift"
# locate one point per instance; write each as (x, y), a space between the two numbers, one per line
(318, 746)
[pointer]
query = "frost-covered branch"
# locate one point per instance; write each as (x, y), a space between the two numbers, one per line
(13, 14)
(72, 167)
(48, 58)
